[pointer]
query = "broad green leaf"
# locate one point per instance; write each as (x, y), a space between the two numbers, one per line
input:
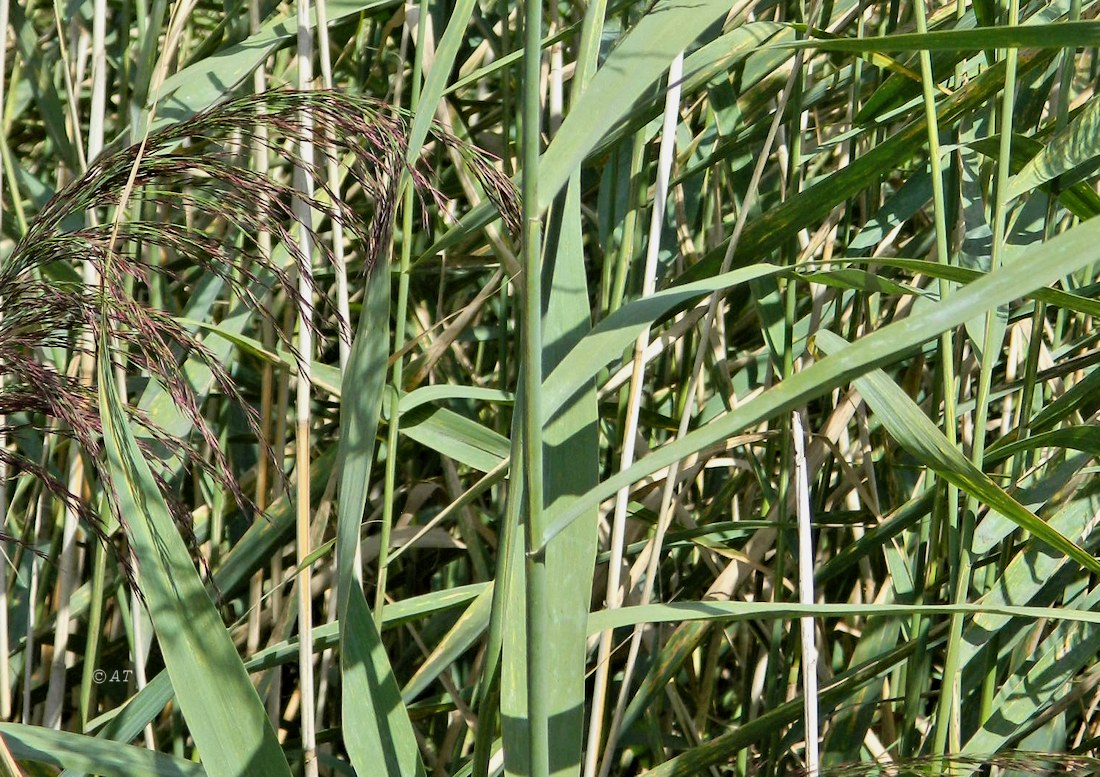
(682, 612)
(67, 750)
(813, 204)
(571, 466)
(862, 280)
(1080, 396)
(1073, 146)
(924, 441)
(1029, 578)
(219, 703)
(636, 64)
(205, 82)
(1036, 267)
(1056, 297)
(456, 436)
(442, 392)
(1079, 198)
(126, 723)
(1078, 438)
(1057, 35)
(432, 92)
(469, 626)
(377, 731)
(605, 343)
(1039, 684)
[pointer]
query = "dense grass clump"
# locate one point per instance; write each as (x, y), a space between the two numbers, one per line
(674, 388)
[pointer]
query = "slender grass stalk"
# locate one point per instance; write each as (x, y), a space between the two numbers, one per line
(32, 595)
(95, 626)
(946, 360)
(488, 707)
(1038, 316)
(948, 724)
(332, 172)
(539, 673)
(304, 214)
(281, 605)
(70, 93)
(343, 310)
(260, 162)
(401, 315)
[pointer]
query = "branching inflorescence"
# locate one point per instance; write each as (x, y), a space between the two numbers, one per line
(197, 211)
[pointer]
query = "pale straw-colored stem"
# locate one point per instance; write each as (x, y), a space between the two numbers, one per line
(260, 161)
(303, 183)
(332, 173)
(32, 595)
(806, 596)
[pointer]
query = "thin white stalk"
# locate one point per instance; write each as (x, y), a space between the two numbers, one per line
(304, 184)
(32, 595)
(806, 596)
(55, 692)
(556, 101)
(280, 607)
(633, 409)
(99, 79)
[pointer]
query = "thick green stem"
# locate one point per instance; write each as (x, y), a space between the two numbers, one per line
(538, 673)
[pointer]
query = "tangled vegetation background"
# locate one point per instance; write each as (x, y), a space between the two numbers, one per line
(673, 387)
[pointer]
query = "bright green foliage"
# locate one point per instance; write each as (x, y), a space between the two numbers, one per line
(932, 319)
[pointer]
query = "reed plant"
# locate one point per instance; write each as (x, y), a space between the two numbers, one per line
(680, 387)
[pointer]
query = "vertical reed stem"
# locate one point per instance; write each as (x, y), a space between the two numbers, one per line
(304, 183)
(538, 672)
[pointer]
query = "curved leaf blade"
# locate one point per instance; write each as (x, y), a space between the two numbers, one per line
(225, 715)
